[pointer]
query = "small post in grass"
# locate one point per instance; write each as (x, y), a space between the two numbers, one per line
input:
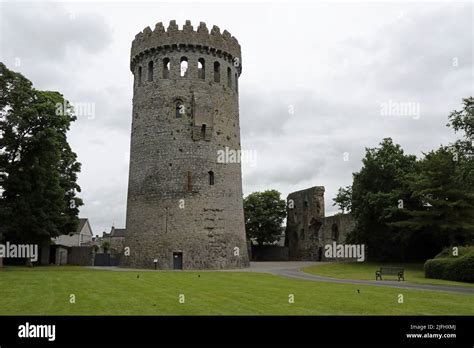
(156, 263)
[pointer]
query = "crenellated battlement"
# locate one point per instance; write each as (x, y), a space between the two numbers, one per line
(212, 42)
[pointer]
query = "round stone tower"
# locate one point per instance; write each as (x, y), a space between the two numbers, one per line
(184, 206)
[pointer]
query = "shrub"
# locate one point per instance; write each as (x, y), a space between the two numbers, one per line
(437, 268)
(462, 269)
(459, 268)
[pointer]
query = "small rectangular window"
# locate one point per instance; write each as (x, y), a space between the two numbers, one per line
(211, 177)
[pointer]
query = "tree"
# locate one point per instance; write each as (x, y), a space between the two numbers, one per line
(446, 205)
(444, 187)
(372, 193)
(38, 169)
(343, 199)
(463, 149)
(264, 214)
(410, 209)
(105, 246)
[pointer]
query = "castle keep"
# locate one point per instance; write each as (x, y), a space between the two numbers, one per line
(184, 207)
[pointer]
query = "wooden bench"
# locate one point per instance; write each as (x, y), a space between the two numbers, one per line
(400, 272)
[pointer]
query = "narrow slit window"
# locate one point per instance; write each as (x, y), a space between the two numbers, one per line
(139, 75)
(166, 68)
(211, 177)
(201, 69)
(229, 78)
(150, 70)
(183, 66)
(203, 131)
(217, 72)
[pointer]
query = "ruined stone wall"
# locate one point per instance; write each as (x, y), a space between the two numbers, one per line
(179, 124)
(308, 230)
(336, 228)
(305, 215)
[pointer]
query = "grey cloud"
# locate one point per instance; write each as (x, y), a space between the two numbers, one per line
(47, 32)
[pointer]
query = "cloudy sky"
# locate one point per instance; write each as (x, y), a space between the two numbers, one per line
(320, 82)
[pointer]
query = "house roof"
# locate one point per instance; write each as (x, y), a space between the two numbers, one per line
(118, 232)
(80, 226)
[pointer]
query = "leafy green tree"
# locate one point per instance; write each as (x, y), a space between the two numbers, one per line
(463, 149)
(264, 215)
(38, 169)
(410, 209)
(372, 192)
(444, 187)
(343, 199)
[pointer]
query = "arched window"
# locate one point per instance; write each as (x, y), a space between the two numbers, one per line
(201, 68)
(139, 75)
(203, 131)
(236, 83)
(180, 109)
(183, 66)
(217, 72)
(211, 177)
(166, 68)
(229, 78)
(150, 70)
(334, 232)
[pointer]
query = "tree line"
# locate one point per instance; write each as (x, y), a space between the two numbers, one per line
(408, 208)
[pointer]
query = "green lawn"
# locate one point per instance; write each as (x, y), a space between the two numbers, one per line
(47, 290)
(366, 271)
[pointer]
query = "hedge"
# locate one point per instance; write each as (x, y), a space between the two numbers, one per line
(459, 268)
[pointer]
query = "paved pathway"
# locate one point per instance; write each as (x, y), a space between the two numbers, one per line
(292, 269)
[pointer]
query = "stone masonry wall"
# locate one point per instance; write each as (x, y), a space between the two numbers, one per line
(179, 123)
(305, 215)
(308, 230)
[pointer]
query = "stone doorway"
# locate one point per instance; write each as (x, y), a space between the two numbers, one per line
(178, 260)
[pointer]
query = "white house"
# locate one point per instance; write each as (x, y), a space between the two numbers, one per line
(81, 237)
